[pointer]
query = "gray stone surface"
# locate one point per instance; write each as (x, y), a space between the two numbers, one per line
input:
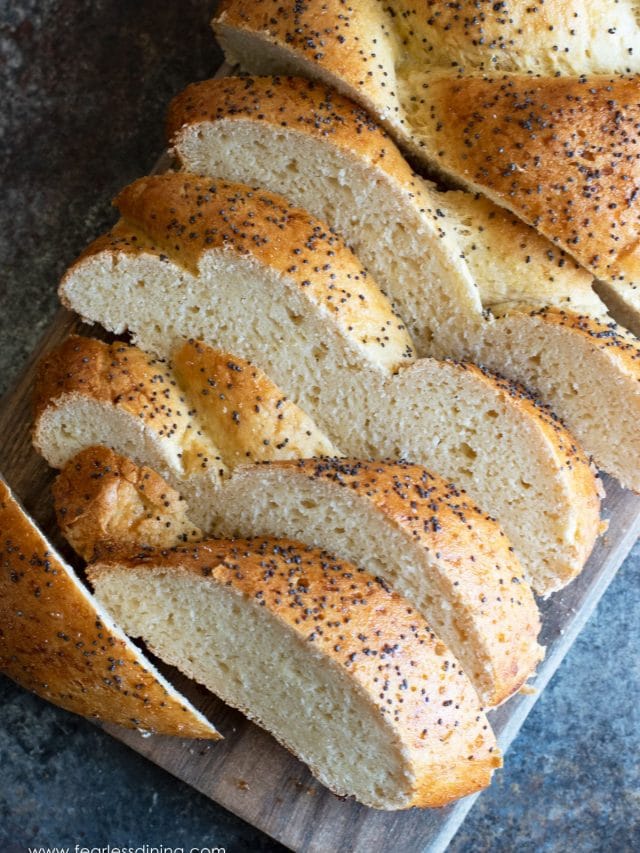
(85, 85)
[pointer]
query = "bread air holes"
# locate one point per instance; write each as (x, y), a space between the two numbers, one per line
(320, 352)
(468, 451)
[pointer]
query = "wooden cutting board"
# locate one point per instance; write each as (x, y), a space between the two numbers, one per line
(249, 773)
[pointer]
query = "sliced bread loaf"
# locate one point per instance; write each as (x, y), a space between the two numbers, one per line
(333, 359)
(480, 95)
(57, 640)
(340, 670)
(470, 280)
(104, 502)
(416, 531)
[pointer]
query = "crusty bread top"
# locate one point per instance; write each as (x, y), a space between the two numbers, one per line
(249, 416)
(57, 641)
(370, 48)
(542, 36)
(126, 377)
(353, 44)
(370, 633)
(105, 502)
(564, 154)
(313, 108)
(186, 216)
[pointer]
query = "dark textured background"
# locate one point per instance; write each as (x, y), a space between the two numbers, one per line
(84, 87)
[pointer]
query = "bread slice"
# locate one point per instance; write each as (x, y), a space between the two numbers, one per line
(91, 393)
(487, 435)
(470, 280)
(105, 502)
(525, 107)
(339, 669)
(58, 641)
(416, 531)
(326, 155)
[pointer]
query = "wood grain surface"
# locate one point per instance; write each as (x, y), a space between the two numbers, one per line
(249, 773)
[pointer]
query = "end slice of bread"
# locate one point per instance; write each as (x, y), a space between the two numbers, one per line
(59, 642)
(416, 531)
(340, 670)
(105, 502)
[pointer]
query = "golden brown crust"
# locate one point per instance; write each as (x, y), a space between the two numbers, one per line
(478, 571)
(250, 417)
(313, 108)
(55, 642)
(124, 376)
(372, 635)
(365, 42)
(562, 153)
(187, 216)
(350, 44)
(105, 502)
(542, 36)
(115, 373)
